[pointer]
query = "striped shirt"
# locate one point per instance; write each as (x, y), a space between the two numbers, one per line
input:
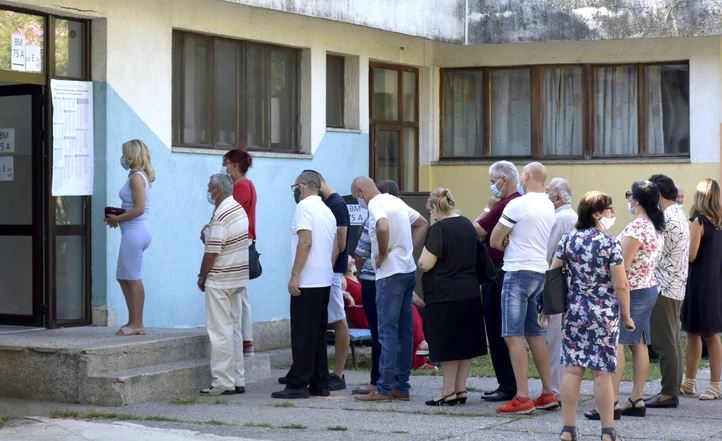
(228, 237)
(363, 250)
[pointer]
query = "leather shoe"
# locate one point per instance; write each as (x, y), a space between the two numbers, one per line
(497, 396)
(491, 392)
(657, 402)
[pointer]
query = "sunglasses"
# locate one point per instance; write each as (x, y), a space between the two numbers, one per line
(627, 194)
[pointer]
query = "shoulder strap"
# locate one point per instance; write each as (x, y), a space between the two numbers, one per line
(145, 178)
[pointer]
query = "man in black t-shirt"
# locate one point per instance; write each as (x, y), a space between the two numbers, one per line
(336, 312)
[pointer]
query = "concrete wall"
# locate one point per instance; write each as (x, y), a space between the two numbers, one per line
(493, 21)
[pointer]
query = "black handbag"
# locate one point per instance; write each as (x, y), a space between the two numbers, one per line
(254, 262)
(485, 268)
(555, 291)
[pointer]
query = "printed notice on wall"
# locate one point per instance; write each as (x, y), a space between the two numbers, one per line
(17, 52)
(6, 168)
(72, 137)
(357, 214)
(7, 140)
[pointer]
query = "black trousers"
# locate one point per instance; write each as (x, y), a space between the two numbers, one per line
(491, 299)
(368, 294)
(309, 313)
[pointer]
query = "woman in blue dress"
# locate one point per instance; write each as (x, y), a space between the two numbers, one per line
(135, 235)
(598, 293)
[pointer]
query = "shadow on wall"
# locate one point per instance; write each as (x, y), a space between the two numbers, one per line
(179, 209)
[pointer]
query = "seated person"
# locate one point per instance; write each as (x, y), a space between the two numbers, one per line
(353, 303)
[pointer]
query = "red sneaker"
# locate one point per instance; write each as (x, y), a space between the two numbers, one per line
(517, 406)
(547, 401)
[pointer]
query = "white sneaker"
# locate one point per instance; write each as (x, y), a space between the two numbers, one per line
(214, 391)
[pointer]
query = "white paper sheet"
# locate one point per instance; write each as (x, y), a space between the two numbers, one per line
(72, 137)
(7, 140)
(6, 168)
(17, 52)
(33, 61)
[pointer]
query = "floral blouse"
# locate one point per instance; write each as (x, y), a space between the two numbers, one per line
(641, 269)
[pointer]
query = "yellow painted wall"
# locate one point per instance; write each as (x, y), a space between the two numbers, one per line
(470, 183)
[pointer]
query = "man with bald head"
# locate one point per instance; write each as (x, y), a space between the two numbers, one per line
(394, 229)
(565, 218)
(523, 234)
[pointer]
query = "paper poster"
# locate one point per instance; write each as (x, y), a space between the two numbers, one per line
(357, 214)
(72, 137)
(7, 140)
(17, 52)
(6, 168)
(33, 62)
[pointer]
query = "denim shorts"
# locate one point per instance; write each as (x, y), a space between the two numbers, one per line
(519, 316)
(641, 304)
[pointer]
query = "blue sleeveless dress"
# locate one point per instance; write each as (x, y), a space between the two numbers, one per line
(135, 235)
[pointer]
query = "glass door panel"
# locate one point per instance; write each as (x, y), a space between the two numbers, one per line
(16, 273)
(387, 154)
(409, 167)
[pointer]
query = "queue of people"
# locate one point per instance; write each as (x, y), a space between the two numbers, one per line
(659, 277)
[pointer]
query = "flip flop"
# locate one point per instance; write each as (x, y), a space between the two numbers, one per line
(126, 331)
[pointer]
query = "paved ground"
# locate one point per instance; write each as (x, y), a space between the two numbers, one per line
(256, 416)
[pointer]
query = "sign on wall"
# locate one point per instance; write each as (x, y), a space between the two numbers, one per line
(7, 140)
(17, 52)
(6, 168)
(72, 137)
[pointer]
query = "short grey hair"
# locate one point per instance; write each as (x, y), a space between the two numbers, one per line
(560, 187)
(311, 178)
(506, 170)
(222, 182)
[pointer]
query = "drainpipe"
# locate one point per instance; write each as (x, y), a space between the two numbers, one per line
(466, 22)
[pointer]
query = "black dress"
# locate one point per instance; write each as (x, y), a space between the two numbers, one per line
(454, 323)
(702, 306)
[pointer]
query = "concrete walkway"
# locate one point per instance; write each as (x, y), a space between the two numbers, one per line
(256, 416)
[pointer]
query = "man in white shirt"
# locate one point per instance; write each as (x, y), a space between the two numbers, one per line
(394, 229)
(224, 278)
(523, 234)
(313, 249)
(671, 274)
(565, 218)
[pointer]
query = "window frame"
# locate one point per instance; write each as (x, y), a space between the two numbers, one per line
(178, 109)
(589, 148)
(342, 95)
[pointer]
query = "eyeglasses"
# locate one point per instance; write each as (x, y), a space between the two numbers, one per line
(627, 194)
(610, 208)
(295, 186)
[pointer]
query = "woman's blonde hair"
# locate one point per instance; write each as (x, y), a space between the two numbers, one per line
(707, 202)
(441, 199)
(138, 156)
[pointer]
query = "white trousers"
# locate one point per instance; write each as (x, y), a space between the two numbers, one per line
(246, 320)
(223, 323)
(553, 339)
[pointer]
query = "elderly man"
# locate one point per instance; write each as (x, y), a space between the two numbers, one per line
(394, 229)
(671, 274)
(523, 233)
(503, 179)
(560, 193)
(224, 278)
(313, 249)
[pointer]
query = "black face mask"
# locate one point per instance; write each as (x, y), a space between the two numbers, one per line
(297, 195)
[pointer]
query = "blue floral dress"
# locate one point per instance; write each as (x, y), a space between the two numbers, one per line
(591, 323)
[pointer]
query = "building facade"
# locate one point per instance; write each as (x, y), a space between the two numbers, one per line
(427, 93)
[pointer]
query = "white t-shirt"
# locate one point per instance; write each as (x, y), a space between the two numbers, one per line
(400, 257)
(531, 218)
(313, 215)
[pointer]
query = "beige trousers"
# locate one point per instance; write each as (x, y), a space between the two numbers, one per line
(223, 323)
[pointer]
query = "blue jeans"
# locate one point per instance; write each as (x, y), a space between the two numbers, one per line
(393, 306)
(519, 316)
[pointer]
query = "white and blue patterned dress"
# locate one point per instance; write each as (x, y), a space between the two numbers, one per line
(591, 323)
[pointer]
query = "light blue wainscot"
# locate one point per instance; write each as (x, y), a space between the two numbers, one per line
(179, 210)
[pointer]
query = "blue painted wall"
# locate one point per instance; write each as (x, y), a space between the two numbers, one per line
(178, 211)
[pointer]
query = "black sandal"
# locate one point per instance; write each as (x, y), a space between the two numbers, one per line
(443, 401)
(612, 433)
(594, 413)
(634, 410)
(571, 430)
(459, 399)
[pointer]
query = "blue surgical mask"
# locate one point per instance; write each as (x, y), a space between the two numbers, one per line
(209, 196)
(495, 192)
(124, 163)
(362, 203)
(520, 189)
(631, 208)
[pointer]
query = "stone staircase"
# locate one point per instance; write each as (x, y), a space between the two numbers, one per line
(90, 365)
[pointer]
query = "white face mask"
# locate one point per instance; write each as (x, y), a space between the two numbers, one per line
(607, 222)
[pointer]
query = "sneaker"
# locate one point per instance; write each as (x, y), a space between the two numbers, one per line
(336, 383)
(240, 389)
(547, 401)
(517, 406)
(214, 391)
(427, 367)
(373, 397)
(317, 392)
(291, 393)
(363, 389)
